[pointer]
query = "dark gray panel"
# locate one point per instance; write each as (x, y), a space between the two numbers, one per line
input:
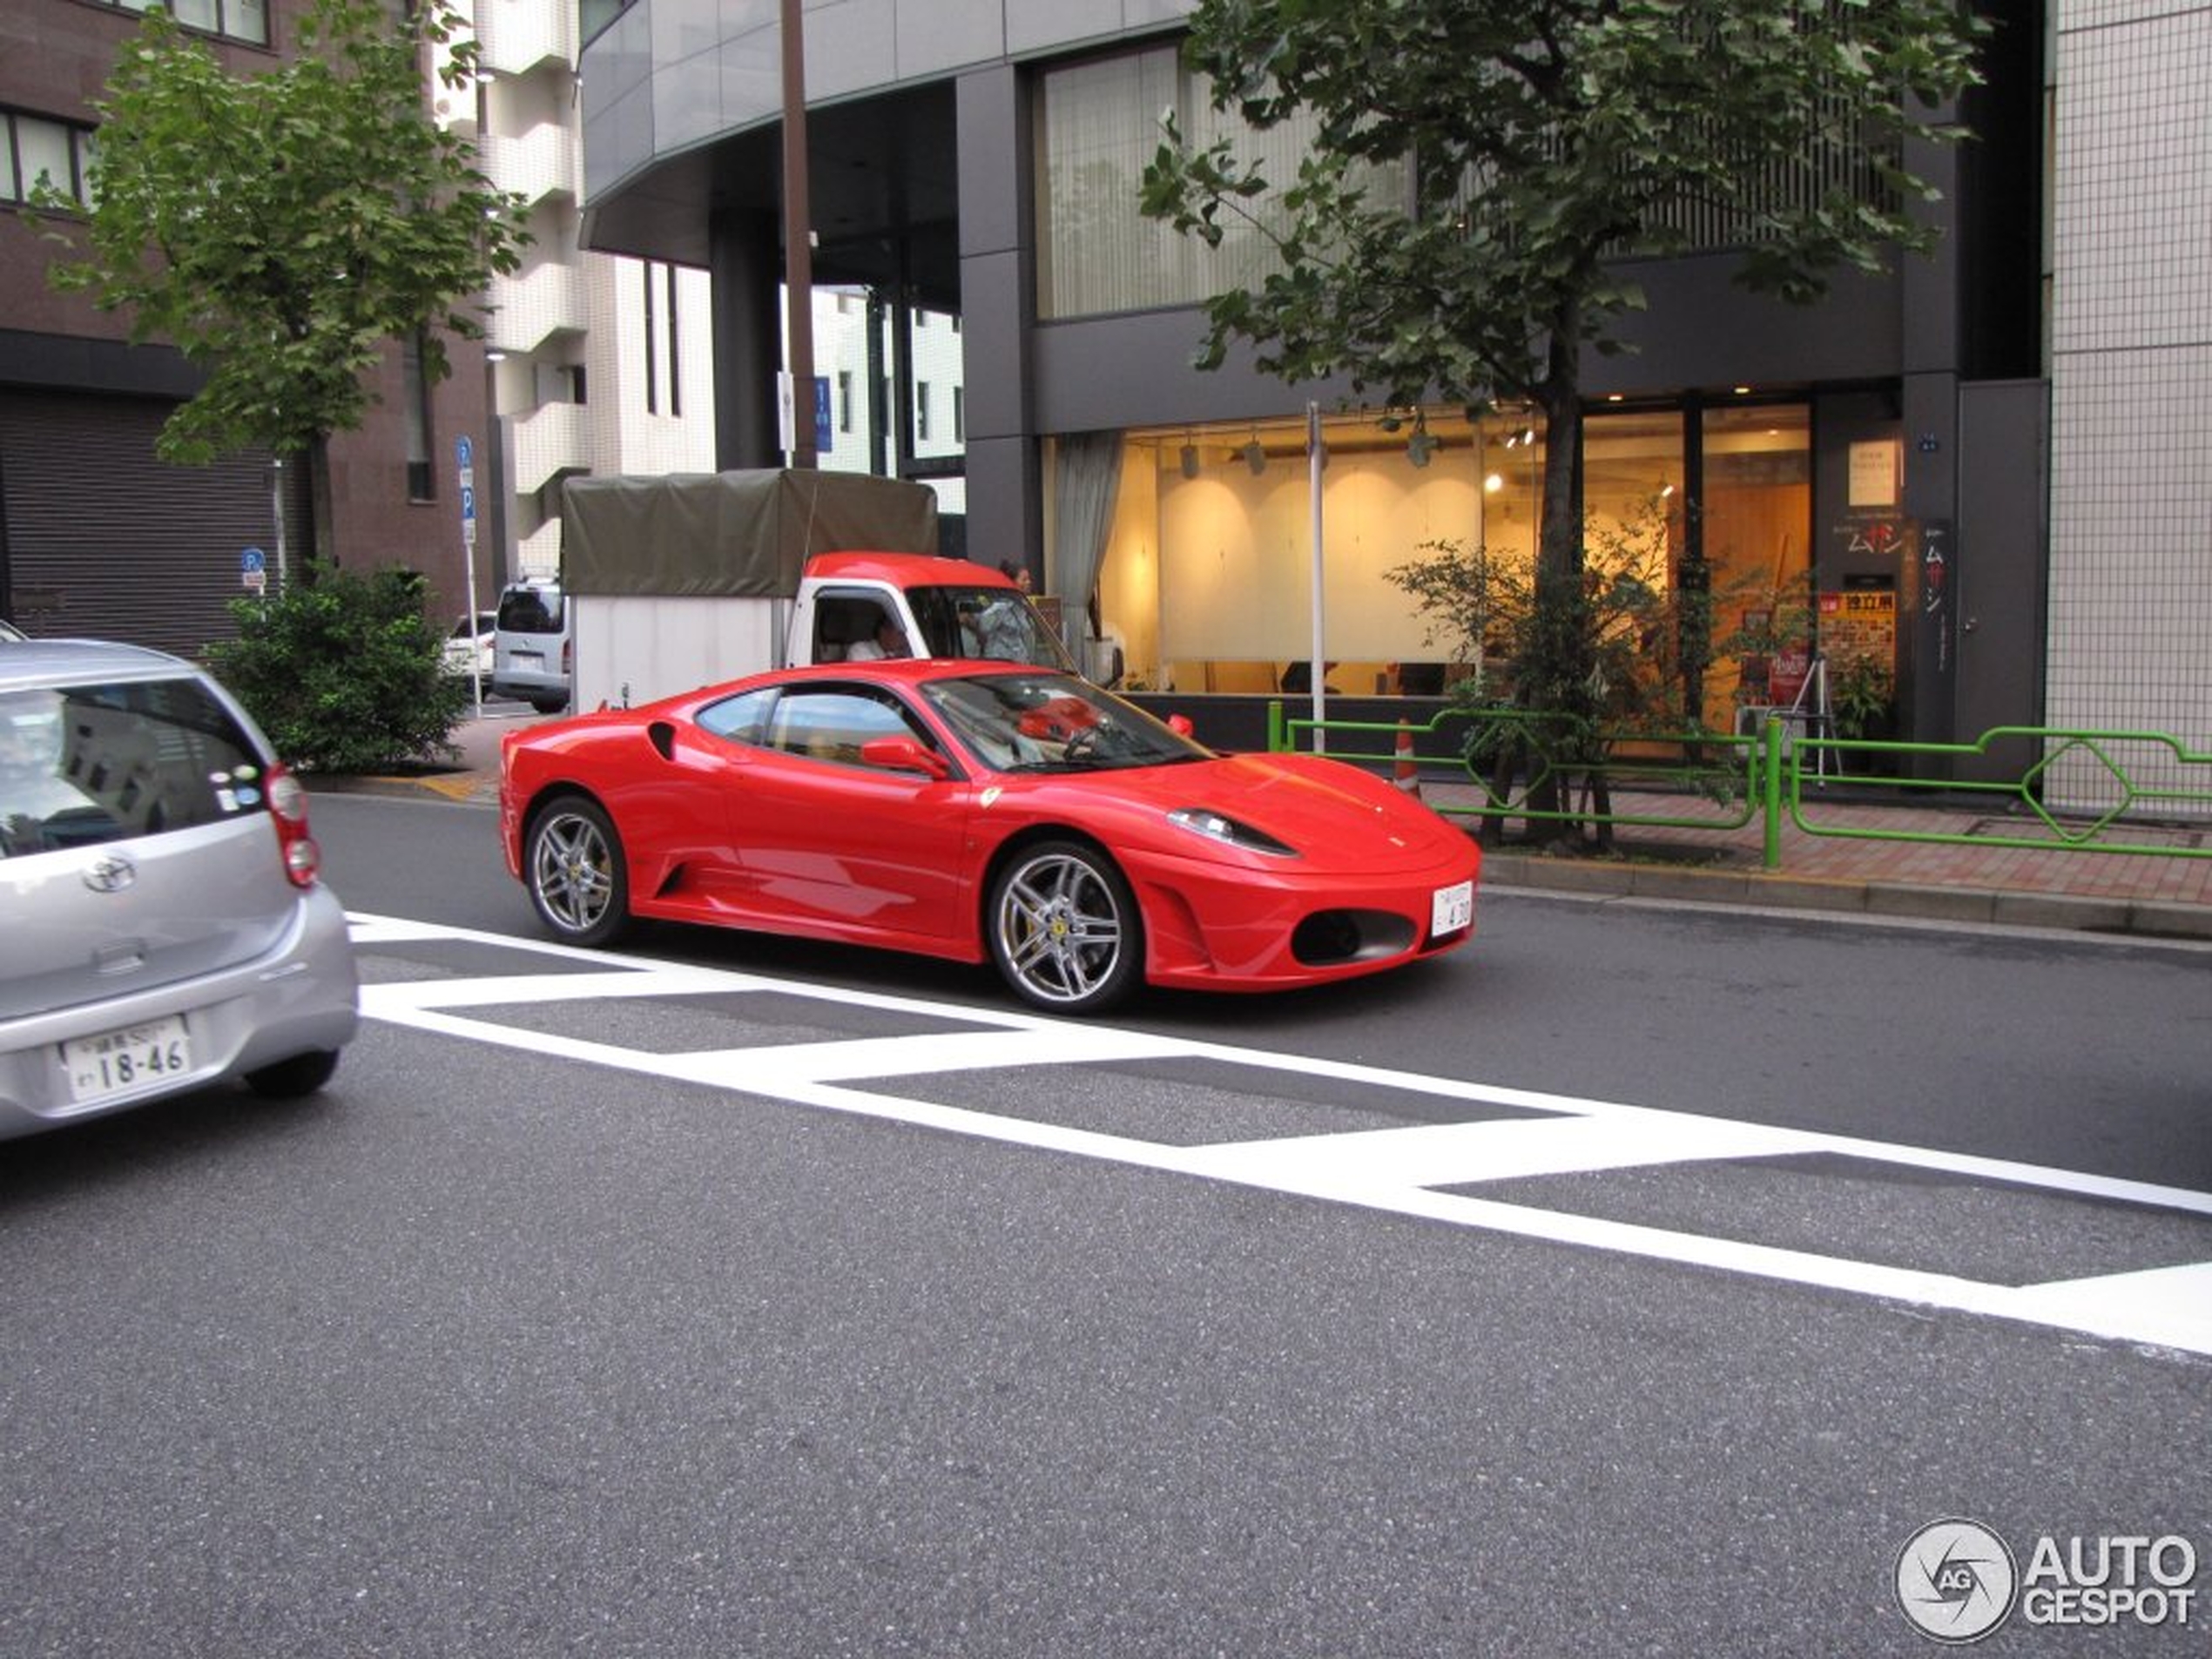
(993, 203)
(1702, 329)
(2003, 565)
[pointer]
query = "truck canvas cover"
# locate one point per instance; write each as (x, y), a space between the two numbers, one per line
(731, 534)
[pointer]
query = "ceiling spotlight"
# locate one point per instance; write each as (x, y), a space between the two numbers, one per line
(1494, 484)
(1421, 446)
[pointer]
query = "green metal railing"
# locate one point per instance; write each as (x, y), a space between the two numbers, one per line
(1705, 780)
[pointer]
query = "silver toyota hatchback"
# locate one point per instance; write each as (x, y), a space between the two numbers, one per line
(162, 924)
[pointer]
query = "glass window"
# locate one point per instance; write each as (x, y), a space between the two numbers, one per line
(103, 763)
(533, 609)
(1758, 540)
(1101, 124)
(1206, 575)
(831, 724)
(422, 475)
(44, 150)
(248, 20)
(742, 718)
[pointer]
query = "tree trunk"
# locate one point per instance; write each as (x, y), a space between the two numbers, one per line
(1563, 647)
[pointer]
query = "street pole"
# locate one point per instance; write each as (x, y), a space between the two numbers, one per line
(276, 509)
(799, 253)
(465, 456)
(1316, 458)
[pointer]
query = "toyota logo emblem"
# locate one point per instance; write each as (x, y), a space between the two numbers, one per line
(110, 874)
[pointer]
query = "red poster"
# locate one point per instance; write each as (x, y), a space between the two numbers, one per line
(1787, 678)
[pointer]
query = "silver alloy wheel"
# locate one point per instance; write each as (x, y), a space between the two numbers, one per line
(1060, 927)
(572, 870)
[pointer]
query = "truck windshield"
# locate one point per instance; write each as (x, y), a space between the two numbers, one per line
(997, 622)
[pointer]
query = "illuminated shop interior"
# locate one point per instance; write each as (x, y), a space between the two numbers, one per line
(1206, 575)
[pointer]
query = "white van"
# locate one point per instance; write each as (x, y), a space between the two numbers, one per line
(534, 646)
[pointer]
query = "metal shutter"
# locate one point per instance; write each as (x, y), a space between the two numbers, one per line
(102, 539)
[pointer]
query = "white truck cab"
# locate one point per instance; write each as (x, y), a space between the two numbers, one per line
(853, 606)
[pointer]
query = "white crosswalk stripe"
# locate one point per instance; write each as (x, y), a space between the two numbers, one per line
(1407, 1170)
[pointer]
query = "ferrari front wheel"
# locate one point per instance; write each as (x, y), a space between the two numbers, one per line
(573, 865)
(1064, 928)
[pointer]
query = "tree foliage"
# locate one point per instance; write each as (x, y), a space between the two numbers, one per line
(1480, 168)
(280, 229)
(343, 671)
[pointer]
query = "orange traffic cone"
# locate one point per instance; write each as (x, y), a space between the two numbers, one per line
(1408, 775)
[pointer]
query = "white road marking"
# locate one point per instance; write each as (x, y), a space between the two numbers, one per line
(1396, 1170)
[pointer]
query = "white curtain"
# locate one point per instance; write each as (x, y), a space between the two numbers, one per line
(1085, 483)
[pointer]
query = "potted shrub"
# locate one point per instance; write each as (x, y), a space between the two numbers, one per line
(1862, 705)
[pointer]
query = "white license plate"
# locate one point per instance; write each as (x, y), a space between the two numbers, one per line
(1450, 908)
(115, 1062)
(528, 662)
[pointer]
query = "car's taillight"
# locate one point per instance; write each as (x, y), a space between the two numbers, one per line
(288, 807)
(568, 657)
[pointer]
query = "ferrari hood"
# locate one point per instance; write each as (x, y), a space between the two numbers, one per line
(1338, 819)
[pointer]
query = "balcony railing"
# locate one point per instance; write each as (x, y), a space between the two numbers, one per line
(519, 34)
(552, 439)
(529, 308)
(533, 165)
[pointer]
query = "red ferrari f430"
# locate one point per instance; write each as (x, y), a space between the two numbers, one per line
(980, 812)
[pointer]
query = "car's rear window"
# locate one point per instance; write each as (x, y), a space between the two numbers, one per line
(103, 763)
(530, 611)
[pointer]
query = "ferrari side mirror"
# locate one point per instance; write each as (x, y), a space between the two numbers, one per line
(1180, 724)
(904, 754)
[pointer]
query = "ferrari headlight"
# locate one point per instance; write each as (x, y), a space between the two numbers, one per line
(1215, 828)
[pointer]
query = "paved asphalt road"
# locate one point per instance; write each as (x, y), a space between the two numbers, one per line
(915, 1326)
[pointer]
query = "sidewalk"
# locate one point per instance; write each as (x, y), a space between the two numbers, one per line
(2020, 886)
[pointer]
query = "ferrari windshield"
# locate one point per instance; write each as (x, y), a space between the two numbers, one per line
(1054, 723)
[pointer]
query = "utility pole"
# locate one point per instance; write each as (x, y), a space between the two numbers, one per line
(798, 251)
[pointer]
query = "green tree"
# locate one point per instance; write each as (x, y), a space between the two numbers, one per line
(1479, 168)
(281, 229)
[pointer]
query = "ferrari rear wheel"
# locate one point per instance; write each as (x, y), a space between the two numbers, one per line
(1064, 928)
(573, 863)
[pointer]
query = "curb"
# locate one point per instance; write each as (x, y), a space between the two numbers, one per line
(2068, 912)
(463, 787)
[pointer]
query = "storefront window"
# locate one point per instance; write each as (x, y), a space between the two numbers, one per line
(1207, 579)
(1756, 541)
